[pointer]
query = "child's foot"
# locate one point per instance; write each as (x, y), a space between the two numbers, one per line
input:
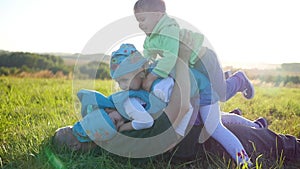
(244, 160)
(247, 164)
(262, 122)
(236, 111)
(227, 74)
(248, 89)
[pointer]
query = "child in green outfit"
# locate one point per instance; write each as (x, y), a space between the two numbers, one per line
(163, 39)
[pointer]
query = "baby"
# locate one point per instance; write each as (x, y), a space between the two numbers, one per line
(129, 68)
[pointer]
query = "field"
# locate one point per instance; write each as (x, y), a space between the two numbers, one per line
(32, 109)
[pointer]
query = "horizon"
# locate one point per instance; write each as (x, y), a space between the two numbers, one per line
(226, 64)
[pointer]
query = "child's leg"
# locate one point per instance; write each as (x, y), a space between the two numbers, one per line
(230, 118)
(210, 115)
(239, 82)
(210, 66)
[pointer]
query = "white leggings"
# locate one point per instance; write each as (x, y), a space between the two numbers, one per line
(230, 118)
(211, 116)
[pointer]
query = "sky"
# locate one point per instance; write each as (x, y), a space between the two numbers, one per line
(240, 31)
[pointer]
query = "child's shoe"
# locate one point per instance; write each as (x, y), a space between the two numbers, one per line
(243, 160)
(248, 89)
(262, 122)
(227, 74)
(247, 164)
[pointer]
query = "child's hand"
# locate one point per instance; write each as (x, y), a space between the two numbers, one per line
(148, 81)
(186, 45)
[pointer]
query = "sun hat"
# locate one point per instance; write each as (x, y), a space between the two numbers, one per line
(125, 60)
(95, 126)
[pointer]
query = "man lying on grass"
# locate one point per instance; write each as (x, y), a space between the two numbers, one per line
(140, 143)
(258, 140)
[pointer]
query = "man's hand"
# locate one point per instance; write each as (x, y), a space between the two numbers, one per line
(150, 78)
(126, 127)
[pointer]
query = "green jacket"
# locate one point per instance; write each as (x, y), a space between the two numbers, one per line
(164, 41)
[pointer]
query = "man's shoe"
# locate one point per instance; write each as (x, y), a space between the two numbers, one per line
(237, 111)
(262, 122)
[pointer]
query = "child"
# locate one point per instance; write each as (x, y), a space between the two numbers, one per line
(128, 68)
(163, 39)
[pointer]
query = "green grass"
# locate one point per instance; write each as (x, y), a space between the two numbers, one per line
(281, 107)
(32, 109)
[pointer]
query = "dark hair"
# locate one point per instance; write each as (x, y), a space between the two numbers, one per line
(149, 6)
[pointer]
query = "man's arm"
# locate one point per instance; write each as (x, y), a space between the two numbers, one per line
(126, 127)
(180, 98)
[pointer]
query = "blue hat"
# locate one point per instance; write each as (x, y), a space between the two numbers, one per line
(92, 98)
(95, 126)
(125, 60)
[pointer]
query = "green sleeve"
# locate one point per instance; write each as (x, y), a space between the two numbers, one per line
(148, 52)
(197, 44)
(168, 43)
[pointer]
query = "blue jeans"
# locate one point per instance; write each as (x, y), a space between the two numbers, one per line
(210, 66)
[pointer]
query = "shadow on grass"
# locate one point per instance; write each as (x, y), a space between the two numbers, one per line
(52, 157)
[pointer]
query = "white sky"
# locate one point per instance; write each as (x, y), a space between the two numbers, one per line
(256, 31)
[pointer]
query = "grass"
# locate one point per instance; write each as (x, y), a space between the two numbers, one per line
(281, 107)
(32, 109)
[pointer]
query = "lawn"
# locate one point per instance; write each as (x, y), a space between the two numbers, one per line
(32, 109)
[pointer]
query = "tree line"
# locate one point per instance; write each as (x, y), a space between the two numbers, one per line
(16, 63)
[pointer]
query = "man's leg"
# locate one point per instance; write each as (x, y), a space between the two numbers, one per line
(267, 141)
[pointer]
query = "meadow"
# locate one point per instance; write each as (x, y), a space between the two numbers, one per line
(31, 109)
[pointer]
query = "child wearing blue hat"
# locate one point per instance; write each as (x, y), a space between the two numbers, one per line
(128, 68)
(163, 39)
(100, 119)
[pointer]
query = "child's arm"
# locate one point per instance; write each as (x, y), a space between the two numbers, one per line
(167, 45)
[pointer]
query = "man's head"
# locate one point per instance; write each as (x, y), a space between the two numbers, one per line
(64, 137)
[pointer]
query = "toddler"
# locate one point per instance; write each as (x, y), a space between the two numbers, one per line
(163, 39)
(128, 69)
